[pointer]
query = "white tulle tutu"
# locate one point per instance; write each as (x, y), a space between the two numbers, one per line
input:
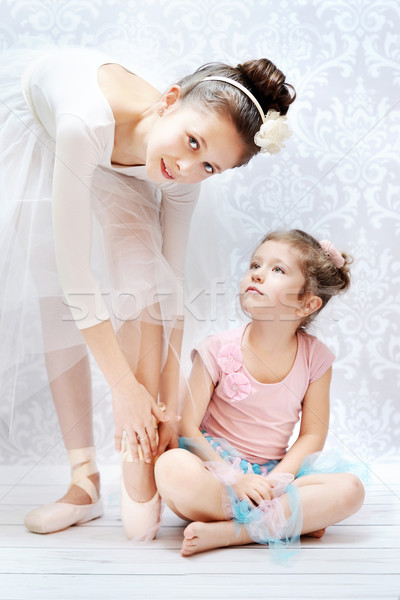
(127, 255)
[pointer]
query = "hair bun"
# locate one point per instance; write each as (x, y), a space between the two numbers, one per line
(260, 77)
(268, 85)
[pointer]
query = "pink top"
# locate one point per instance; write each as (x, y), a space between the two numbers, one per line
(257, 419)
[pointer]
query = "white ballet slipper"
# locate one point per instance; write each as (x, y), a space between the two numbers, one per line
(61, 515)
(140, 520)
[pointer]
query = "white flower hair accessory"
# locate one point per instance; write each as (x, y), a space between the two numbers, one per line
(274, 129)
(273, 133)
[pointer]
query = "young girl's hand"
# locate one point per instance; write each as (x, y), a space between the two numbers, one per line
(136, 413)
(168, 438)
(253, 488)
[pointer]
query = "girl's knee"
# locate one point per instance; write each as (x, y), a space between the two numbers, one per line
(353, 492)
(173, 467)
(167, 463)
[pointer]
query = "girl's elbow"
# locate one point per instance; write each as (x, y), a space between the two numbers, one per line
(319, 442)
(314, 441)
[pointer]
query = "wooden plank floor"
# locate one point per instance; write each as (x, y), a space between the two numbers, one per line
(357, 559)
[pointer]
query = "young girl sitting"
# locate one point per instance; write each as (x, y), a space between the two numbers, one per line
(233, 476)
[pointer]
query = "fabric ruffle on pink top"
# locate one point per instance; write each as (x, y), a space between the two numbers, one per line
(230, 358)
(235, 385)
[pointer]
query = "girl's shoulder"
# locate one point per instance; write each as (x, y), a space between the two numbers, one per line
(311, 342)
(315, 354)
(64, 82)
(221, 348)
(213, 343)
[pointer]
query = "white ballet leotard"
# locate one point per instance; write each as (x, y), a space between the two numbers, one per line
(63, 93)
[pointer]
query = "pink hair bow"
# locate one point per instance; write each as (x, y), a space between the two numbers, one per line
(335, 255)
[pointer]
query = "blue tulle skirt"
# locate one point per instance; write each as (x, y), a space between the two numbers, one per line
(266, 523)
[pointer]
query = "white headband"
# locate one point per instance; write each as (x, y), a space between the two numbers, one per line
(242, 88)
(274, 129)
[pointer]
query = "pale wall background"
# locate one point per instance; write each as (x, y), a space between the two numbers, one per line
(339, 177)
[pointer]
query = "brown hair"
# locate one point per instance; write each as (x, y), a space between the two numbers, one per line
(322, 277)
(261, 77)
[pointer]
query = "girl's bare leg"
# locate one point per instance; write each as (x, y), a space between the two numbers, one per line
(194, 494)
(71, 389)
(186, 486)
(327, 499)
(146, 364)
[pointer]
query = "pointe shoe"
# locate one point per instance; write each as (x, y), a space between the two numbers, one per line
(61, 515)
(140, 520)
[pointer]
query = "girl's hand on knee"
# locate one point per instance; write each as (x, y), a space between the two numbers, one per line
(253, 488)
(279, 482)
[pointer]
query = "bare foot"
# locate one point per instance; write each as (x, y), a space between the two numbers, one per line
(199, 537)
(316, 534)
(76, 495)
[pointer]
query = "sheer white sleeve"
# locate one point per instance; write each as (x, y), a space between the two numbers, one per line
(176, 214)
(77, 156)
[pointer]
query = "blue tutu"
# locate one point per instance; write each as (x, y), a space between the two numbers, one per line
(266, 523)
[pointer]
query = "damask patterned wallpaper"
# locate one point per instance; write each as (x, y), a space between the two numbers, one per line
(338, 178)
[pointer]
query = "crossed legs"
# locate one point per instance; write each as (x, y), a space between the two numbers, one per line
(193, 493)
